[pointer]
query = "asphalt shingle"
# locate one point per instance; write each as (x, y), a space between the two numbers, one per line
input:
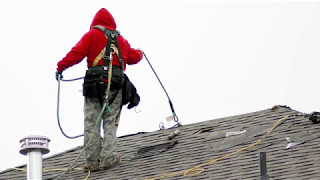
(204, 142)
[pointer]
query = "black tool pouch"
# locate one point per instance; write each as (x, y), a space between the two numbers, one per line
(117, 78)
(94, 84)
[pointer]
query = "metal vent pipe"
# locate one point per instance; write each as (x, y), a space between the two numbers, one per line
(34, 147)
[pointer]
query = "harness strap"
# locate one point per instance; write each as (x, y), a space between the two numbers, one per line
(100, 55)
(112, 43)
(109, 77)
(112, 47)
(107, 55)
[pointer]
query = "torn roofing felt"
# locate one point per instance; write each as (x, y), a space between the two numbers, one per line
(292, 151)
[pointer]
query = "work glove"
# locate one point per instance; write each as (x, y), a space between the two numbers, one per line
(58, 74)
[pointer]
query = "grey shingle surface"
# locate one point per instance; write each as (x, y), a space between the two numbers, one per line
(194, 148)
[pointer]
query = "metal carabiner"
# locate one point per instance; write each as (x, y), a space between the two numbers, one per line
(112, 50)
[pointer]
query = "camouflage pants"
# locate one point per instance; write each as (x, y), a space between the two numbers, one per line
(101, 150)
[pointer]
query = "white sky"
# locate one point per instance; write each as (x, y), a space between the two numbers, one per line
(215, 58)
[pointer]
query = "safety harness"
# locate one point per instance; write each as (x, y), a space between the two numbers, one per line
(112, 46)
(94, 82)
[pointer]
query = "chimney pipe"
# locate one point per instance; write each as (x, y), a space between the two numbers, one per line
(34, 147)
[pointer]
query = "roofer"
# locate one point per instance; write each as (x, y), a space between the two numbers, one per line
(101, 152)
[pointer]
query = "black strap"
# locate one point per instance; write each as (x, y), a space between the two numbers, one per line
(120, 56)
(112, 39)
(106, 56)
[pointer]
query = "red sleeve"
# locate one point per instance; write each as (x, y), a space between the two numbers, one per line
(76, 54)
(133, 55)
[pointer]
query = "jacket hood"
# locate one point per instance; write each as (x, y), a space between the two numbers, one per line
(103, 17)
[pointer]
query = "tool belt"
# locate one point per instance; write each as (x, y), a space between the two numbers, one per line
(95, 81)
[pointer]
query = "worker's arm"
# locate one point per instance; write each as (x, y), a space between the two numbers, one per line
(76, 54)
(132, 56)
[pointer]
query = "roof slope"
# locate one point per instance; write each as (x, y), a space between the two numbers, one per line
(205, 142)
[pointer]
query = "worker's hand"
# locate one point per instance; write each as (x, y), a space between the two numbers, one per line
(58, 75)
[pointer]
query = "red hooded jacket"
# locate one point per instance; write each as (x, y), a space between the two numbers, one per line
(94, 41)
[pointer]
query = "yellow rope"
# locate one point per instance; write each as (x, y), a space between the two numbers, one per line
(109, 75)
(196, 170)
(89, 173)
(19, 169)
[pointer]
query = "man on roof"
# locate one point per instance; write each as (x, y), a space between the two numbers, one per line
(101, 152)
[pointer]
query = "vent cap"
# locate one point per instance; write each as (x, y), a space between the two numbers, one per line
(34, 142)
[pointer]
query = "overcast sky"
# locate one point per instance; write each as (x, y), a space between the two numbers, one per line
(215, 58)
